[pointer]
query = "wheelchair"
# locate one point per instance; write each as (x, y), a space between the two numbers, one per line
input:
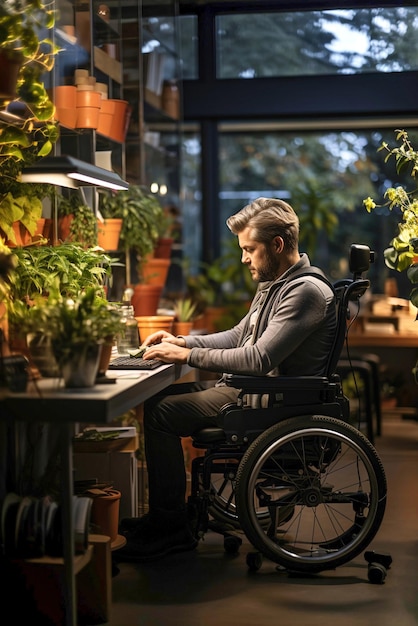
(307, 489)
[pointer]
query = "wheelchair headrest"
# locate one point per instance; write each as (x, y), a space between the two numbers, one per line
(359, 259)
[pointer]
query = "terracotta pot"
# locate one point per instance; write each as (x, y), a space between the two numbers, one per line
(65, 97)
(155, 271)
(88, 99)
(10, 64)
(213, 316)
(120, 121)
(108, 233)
(66, 117)
(105, 356)
(148, 324)
(163, 248)
(146, 298)
(48, 229)
(105, 512)
(22, 236)
(107, 112)
(87, 117)
(182, 328)
(38, 234)
(88, 109)
(64, 224)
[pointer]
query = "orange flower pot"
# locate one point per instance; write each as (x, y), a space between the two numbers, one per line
(65, 97)
(145, 299)
(149, 324)
(107, 112)
(120, 120)
(155, 271)
(108, 233)
(66, 117)
(88, 109)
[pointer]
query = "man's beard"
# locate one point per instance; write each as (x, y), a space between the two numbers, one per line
(270, 269)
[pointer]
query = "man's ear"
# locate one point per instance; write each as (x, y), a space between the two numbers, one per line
(278, 244)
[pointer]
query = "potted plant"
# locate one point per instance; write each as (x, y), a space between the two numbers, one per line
(22, 44)
(77, 328)
(402, 253)
(37, 271)
(109, 221)
(76, 219)
(29, 132)
(184, 313)
(142, 217)
(75, 269)
(21, 211)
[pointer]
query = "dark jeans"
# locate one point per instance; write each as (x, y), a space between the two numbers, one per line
(178, 411)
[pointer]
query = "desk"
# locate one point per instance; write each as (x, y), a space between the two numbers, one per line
(47, 400)
(383, 340)
(386, 346)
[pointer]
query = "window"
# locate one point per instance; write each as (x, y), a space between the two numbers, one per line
(255, 45)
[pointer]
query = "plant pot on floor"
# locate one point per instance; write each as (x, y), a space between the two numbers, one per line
(105, 511)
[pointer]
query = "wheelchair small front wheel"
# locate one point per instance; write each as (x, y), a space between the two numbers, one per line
(323, 487)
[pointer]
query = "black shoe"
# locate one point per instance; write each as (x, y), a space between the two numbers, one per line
(128, 524)
(154, 543)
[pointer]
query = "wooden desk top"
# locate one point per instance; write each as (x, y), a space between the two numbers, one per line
(47, 399)
(387, 340)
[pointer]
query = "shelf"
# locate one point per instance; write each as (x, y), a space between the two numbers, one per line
(80, 560)
(108, 65)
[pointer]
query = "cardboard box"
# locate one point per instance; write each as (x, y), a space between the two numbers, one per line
(119, 468)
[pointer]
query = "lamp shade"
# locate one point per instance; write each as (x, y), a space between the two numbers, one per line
(66, 171)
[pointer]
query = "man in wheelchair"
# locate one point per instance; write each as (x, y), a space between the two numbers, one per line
(288, 331)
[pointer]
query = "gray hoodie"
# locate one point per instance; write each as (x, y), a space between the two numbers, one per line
(292, 335)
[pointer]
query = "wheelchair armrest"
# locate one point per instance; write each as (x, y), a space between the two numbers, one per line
(269, 384)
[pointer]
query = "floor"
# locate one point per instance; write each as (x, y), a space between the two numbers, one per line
(210, 588)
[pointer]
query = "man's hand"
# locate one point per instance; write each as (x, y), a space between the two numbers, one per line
(162, 335)
(165, 347)
(167, 351)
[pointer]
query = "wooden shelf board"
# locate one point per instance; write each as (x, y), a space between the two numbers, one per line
(80, 560)
(108, 65)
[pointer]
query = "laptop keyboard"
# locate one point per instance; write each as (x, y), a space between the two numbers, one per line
(133, 363)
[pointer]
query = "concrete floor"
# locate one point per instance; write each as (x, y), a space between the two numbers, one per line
(211, 588)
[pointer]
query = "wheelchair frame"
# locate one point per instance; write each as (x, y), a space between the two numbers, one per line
(307, 489)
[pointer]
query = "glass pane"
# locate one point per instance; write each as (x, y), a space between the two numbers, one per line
(317, 42)
(191, 200)
(324, 175)
(188, 46)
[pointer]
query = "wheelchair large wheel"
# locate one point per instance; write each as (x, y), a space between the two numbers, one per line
(323, 486)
